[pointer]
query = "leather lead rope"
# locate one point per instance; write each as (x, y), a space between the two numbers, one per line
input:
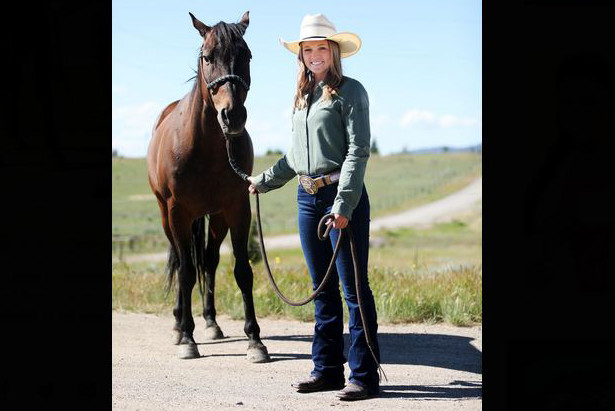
(323, 220)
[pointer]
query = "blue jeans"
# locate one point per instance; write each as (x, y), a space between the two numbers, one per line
(328, 341)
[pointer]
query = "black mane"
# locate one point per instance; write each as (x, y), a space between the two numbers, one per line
(230, 37)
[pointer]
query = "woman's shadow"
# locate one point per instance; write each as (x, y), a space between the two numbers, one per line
(432, 350)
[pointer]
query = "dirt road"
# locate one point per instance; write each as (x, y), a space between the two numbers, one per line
(438, 211)
(429, 367)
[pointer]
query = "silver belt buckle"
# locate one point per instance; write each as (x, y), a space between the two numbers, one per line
(308, 184)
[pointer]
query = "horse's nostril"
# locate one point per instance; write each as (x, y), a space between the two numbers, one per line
(224, 115)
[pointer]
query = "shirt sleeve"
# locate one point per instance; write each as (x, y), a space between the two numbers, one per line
(274, 177)
(350, 186)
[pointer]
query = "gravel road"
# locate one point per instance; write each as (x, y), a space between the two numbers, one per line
(429, 367)
(442, 210)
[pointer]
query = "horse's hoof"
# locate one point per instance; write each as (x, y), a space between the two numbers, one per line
(188, 351)
(258, 354)
(213, 332)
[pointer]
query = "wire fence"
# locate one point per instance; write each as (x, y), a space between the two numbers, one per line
(126, 245)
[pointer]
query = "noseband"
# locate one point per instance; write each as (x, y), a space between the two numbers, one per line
(222, 79)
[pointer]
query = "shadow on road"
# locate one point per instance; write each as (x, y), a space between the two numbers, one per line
(454, 390)
(432, 350)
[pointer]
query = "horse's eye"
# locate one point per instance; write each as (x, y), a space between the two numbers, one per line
(207, 58)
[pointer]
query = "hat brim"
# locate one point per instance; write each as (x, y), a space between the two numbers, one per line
(349, 43)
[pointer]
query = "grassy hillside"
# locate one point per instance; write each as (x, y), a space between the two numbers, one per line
(429, 274)
(393, 182)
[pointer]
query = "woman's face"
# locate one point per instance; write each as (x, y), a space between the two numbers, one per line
(317, 57)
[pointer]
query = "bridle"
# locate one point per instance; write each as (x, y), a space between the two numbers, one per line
(322, 237)
(211, 85)
(234, 78)
(222, 79)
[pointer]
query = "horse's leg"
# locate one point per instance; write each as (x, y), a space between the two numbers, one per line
(239, 217)
(216, 234)
(177, 313)
(181, 227)
(172, 265)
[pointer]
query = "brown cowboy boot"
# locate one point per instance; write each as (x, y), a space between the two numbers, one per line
(313, 384)
(353, 392)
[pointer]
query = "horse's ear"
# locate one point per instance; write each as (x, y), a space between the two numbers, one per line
(199, 25)
(245, 20)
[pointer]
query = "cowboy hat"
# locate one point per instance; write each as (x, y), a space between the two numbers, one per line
(317, 27)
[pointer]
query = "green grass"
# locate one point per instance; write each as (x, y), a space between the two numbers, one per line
(394, 183)
(421, 275)
(133, 206)
(417, 275)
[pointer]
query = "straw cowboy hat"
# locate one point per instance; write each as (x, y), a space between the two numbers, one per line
(317, 27)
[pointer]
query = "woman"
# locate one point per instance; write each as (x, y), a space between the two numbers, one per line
(329, 153)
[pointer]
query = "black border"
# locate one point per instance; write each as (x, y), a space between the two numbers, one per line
(56, 192)
(56, 168)
(546, 342)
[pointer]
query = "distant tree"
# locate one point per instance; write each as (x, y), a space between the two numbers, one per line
(374, 148)
(114, 153)
(271, 152)
(405, 150)
(446, 149)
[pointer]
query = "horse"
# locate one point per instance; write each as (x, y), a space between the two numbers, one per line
(189, 173)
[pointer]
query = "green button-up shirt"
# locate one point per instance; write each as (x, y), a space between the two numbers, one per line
(327, 136)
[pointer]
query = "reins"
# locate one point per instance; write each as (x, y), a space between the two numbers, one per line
(321, 237)
(222, 79)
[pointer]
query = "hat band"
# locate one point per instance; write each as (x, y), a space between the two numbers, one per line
(313, 37)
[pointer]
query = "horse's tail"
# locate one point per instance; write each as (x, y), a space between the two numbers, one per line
(172, 267)
(197, 251)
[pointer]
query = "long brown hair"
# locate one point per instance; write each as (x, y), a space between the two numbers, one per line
(305, 78)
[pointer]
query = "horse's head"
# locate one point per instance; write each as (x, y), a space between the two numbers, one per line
(224, 71)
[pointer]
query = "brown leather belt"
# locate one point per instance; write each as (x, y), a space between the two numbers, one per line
(311, 185)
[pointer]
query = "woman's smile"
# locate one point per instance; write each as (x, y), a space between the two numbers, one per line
(317, 57)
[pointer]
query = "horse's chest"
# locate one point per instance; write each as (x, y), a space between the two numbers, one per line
(209, 190)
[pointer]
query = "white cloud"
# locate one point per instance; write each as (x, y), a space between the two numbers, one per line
(454, 121)
(414, 117)
(379, 120)
(132, 126)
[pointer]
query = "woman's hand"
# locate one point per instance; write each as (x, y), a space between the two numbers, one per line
(252, 189)
(339, 221)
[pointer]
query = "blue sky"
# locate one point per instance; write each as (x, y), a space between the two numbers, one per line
(420, 63)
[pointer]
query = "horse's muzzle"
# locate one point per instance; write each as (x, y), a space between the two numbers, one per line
(233, 120)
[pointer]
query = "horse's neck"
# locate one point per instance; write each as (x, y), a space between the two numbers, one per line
(201, 119)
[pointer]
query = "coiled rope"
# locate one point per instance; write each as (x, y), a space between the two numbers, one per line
(324, 220)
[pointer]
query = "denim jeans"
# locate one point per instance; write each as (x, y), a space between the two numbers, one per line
(328, 342)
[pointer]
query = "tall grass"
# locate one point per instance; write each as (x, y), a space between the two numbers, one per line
(420, 275)
(417, 275)
(453, 296)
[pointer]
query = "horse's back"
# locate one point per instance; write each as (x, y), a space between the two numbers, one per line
(165, 112)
